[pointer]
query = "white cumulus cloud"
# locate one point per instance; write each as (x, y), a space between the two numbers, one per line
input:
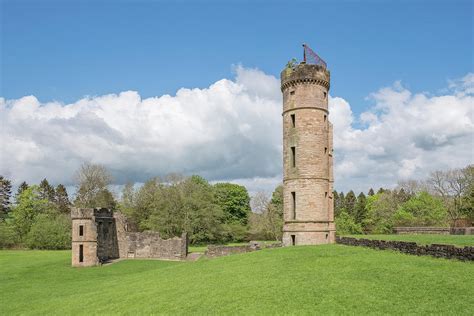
(231, 131)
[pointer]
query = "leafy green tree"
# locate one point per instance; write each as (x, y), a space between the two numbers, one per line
(234, 201)
(421, 210)
(5, 195)
(345, 225)
(50, 232)
(8, 235)
(380, 210)
(29, 206)
(62, 199)
(371, 192)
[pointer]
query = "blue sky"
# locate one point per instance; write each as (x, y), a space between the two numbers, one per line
(64, 50)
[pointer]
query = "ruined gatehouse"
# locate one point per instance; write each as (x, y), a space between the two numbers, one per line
(100, 235)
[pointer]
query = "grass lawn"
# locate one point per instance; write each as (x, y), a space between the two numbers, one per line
(328, 279)
(425, 239)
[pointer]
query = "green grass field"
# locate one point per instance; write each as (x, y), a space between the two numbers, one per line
(329, 279)
(425, 239)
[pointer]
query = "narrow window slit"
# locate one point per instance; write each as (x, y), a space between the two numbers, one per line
(81, 253)
(293, 156)
(293, 207)
(293, 120)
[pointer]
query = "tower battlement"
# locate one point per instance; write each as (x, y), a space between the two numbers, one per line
(304, 73)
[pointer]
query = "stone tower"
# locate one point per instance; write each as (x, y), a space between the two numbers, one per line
(308, 204)
(94, 236)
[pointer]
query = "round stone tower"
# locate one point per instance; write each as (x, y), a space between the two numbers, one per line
(308, 204)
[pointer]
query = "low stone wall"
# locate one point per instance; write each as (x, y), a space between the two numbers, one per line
(222, 250)
(151, 245)
(219, 251)
(436, 250)
(421, 230)
(462, 231)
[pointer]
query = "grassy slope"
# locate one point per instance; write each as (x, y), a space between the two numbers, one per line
(459, 240)
(304, 280)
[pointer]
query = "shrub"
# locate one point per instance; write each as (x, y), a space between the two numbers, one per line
(8, 236)
(50, 232)
(346, 225)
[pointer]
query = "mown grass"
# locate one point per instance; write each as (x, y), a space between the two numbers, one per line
(329, 279)
(425, 239)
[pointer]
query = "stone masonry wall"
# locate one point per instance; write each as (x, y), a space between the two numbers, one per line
(435, 250)
(222, 250)
(151, 245)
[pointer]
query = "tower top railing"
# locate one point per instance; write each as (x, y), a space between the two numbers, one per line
(310, 57)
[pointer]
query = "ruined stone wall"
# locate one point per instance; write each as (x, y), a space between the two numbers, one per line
(151, 245)
(435, 250)
(307, 157)
(99, 235)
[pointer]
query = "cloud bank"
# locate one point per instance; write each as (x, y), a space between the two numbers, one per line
(231, 131)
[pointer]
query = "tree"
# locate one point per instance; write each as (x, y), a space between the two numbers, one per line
(371, 192)
(451, 186)
(234, 201)
(275, 214)
(349, 203)
(360, 211)
(380, 210)
(46, 191)
(23, 186)
(50, 232)
(339, 203)
(92, 183)
(421, 210)
(62, 199)
(5, 194)
(346, 225)
(29, 205)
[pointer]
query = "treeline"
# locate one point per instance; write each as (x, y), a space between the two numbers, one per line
(438, 201)
(209, 213)
(38, 216)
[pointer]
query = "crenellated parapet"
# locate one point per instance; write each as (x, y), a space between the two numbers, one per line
(305, 74)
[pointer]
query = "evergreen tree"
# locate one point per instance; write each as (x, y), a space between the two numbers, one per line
(46, 191)
(339, 205)
(371, 192)
(381, 190)
(23, 186)
(62, 199)
(5, 194)
(360, 210)
(349, 203)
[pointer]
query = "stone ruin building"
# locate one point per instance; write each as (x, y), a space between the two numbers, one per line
(100, 235)
(308, 204)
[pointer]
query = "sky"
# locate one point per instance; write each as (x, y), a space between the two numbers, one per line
(153, 87)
